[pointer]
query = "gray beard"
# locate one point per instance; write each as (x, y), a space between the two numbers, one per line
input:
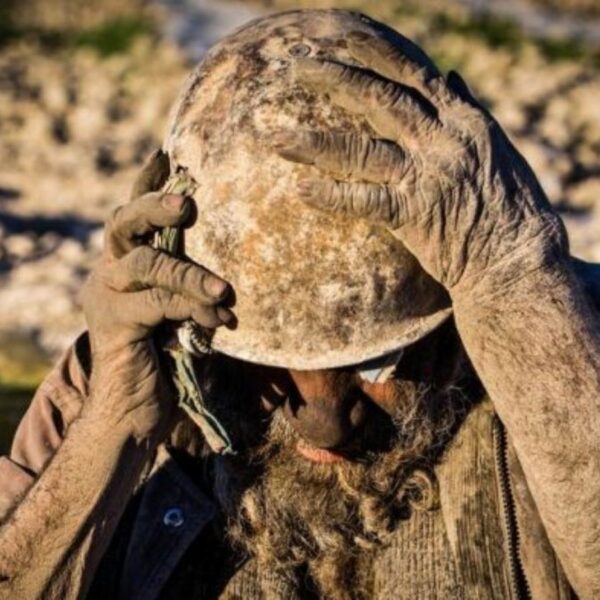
(298, 518)
(306, 522)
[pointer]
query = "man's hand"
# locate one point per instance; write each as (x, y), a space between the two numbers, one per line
(447, 181)
(442, 174)
(51, 545)
(134, 288)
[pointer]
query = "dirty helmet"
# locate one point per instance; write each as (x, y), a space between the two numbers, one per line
(313, 290)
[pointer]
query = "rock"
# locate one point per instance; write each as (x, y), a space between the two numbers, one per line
(19, 246)
(585, 194)
(71, 252)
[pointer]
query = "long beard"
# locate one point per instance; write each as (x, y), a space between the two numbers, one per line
(303, 521)
(307, 524)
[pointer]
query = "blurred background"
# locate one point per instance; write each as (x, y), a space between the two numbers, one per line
(85, 88)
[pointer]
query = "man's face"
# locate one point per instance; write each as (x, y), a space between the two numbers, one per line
(332, 414)
(330, 461)
(328, 408)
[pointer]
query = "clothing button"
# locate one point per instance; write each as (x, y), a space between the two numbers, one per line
(173, 517)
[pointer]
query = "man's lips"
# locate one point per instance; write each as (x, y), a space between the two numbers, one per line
(319, 455)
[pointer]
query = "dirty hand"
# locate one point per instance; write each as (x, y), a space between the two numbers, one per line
(441, 174)
(134, 288)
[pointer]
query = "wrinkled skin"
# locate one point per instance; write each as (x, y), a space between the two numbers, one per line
(130, 407)
(132, 289)
(443, 177)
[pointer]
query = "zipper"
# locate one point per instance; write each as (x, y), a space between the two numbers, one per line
(516, 574)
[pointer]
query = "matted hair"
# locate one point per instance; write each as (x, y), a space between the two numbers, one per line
(304, 522)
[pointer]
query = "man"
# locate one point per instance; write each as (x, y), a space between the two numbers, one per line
(343, 486)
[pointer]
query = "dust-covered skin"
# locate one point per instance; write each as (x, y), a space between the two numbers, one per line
(521, 314)
(467, 205)
(134, 288)
(440, 173)
(340, 291)
(44, 548)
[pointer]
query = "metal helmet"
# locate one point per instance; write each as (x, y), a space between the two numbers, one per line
(313, 290)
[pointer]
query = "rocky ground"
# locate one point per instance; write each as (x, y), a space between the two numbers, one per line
(77, 121)
(74, 131)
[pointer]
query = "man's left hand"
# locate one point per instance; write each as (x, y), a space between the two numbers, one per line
(442, 175)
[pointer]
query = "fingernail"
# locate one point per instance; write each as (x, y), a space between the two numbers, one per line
(225, 314)
(282, 139)
(215, 287)
(173, 201)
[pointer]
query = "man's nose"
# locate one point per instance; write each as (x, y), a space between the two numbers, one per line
(327, 409)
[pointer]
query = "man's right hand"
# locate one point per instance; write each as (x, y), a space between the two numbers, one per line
(134, 288)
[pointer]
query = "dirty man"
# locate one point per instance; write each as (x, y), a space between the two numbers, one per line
(402, 398)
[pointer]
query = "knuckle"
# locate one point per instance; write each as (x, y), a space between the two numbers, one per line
(114, 220)
(398, 165)
(187, 276)
(379, 204)
(372, 203)
(355, 79)
(160, 296)
(387, 94)
(344, 148)
(364, 151)
(440, 91)
(392, 210)
(320, 141)
(143, 261)
(344, 73)
(333, 196)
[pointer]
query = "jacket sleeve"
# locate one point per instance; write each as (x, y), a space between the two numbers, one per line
(55, 405)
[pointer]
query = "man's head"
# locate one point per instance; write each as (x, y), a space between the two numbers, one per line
(313, 291)
(328, 461)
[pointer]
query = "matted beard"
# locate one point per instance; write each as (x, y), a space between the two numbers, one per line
(304, 521)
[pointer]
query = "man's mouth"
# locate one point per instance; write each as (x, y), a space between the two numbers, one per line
(319, 455)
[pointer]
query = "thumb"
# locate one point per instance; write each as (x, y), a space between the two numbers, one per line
(153, 175)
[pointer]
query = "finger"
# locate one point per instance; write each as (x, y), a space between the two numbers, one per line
(131, 223)
(396, 58)
(176, 307)
(153, 175)
(344, 155)
(146, 267)
(394, 110)
(458, 85)
(150, 307)
(377, 203)
(478, 120)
